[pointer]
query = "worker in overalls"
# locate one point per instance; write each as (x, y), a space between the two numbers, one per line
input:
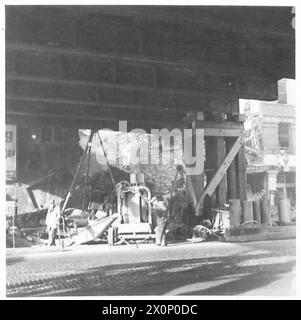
(52, 222)
(161, 212)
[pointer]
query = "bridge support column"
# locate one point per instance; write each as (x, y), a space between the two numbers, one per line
(223, 174)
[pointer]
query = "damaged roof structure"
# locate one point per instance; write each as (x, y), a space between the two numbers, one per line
(87, 66)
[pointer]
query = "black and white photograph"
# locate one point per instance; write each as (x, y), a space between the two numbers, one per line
(150, 151)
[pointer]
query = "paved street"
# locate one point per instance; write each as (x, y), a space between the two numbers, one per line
(264, 268)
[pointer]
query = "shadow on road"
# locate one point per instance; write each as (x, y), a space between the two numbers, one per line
(13, 260)
(225, 275)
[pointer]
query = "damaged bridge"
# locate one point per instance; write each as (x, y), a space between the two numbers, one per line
(156, 67)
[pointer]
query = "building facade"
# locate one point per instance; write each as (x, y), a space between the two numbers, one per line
(271, 145)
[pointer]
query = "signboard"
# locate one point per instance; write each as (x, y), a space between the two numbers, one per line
(11, 152)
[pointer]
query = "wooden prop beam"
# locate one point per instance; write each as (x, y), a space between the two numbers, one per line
(223, 132)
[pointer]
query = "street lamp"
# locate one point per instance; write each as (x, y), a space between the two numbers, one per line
(282, 163)
(284, 204)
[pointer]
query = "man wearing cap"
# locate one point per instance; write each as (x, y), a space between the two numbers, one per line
(52, 222)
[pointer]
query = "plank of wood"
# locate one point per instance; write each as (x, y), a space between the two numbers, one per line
(219, 125)
(226, 132)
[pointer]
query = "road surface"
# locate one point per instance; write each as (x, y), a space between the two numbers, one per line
(265, 268)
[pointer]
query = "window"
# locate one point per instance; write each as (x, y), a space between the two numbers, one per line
(284, 135)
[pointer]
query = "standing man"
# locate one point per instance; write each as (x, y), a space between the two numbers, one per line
(161, 211)
(52, 222)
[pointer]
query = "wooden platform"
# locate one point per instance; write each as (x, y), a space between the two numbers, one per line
(244, 234)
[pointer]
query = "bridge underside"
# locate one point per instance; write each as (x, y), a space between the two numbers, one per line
(90, 66)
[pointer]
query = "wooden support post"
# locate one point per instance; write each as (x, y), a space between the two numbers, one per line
(235, 212)
(218, 160)
(247, 212)
(195, 181)
(210, 164)
(231, 173)
(257, 211)
(265, 211)
(211, 187)
(222, 187)
(241, 174)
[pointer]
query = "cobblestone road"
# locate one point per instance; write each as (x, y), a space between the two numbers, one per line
(261, 268)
